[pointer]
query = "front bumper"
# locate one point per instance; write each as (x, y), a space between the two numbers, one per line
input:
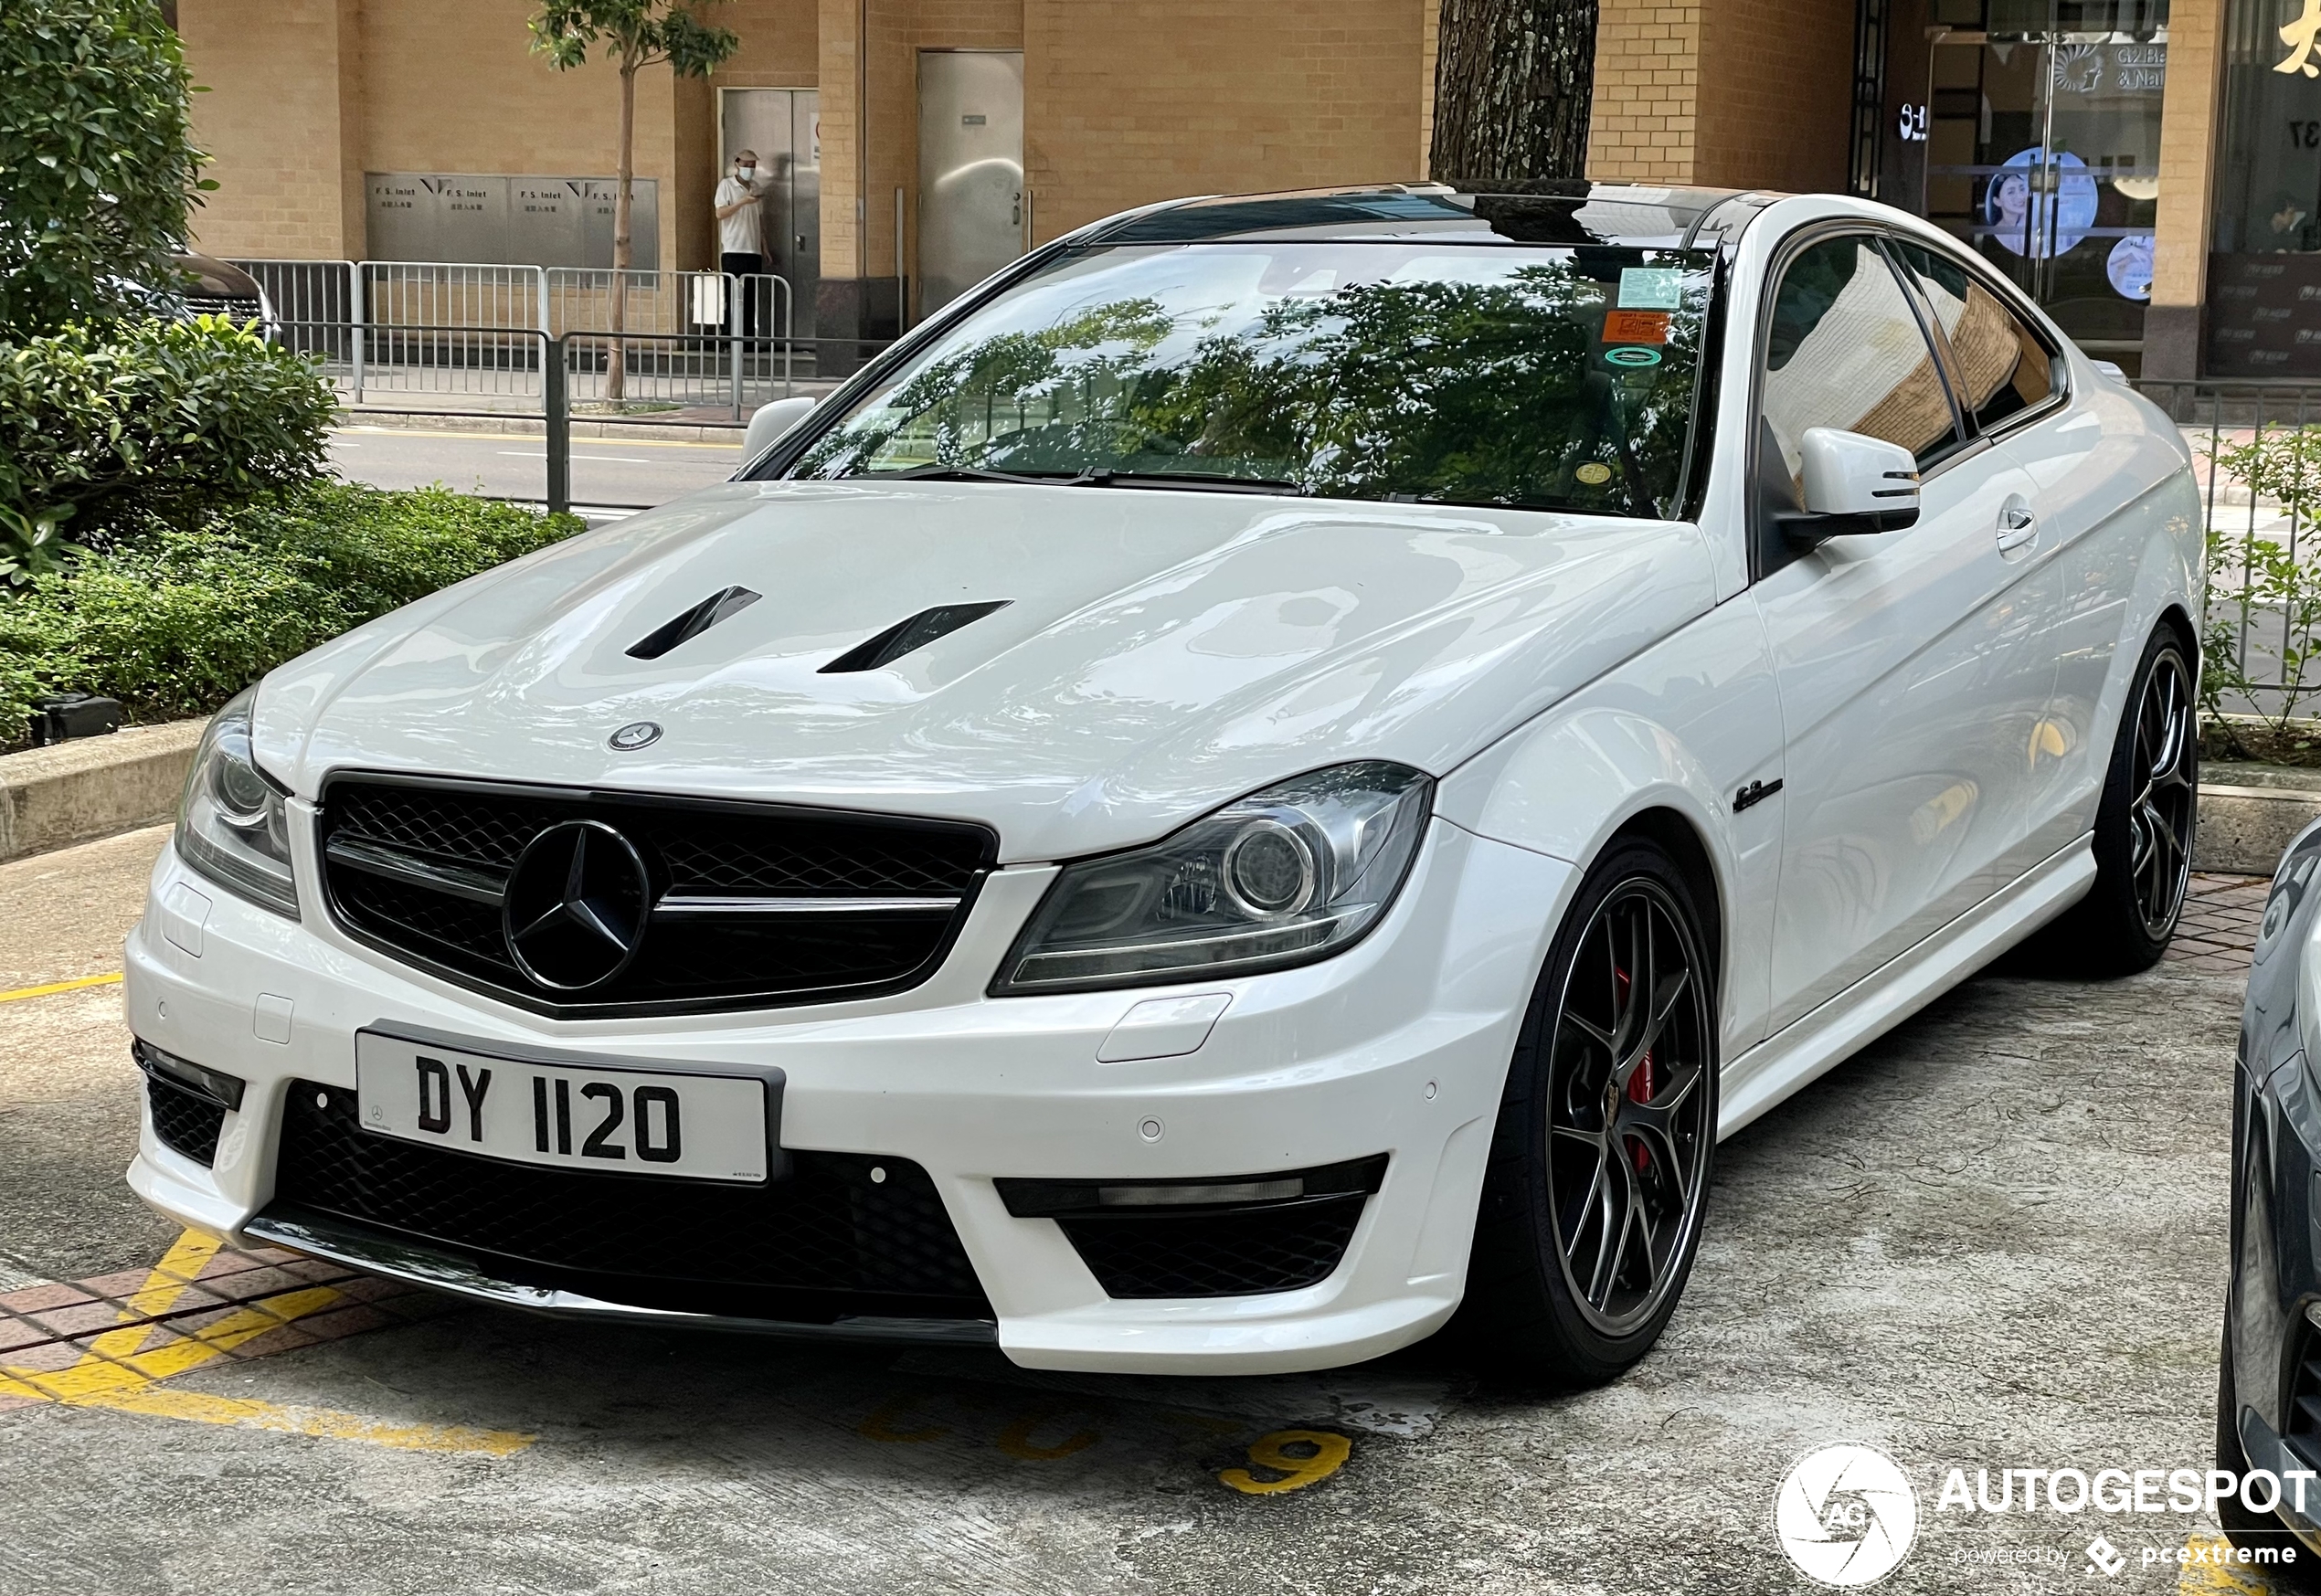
(1399, 1046)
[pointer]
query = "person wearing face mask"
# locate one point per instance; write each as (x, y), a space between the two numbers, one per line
(741, 230)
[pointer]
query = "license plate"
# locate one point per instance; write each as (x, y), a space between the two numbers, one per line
(571, 1117)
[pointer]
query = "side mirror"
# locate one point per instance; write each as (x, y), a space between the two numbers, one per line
(769, 422)
(1853, 484)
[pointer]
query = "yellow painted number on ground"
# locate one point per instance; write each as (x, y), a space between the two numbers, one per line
(886, 1424)
(1319, 1455)
(1016, 1439)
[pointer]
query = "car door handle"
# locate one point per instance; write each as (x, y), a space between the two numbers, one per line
(2017, 525)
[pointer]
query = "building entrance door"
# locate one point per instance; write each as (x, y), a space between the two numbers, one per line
(973, 215)
(784, 127)
(2041, 141)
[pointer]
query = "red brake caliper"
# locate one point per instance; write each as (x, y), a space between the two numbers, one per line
(1640, 1084)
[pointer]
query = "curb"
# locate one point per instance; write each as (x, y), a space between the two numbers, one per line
(725, 432)
(2244, 829)
(93, 786)
(81, 790)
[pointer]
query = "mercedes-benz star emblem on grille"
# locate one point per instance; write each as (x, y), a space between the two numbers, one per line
(635, 735)
(576, 905)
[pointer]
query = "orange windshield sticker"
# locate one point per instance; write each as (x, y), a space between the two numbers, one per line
(1636, 327)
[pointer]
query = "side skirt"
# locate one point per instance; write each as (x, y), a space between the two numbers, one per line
(1816, 1043)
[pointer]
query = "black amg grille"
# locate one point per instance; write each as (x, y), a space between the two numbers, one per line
(1227, 1255)
(826, 1242)
(751, 905)
(185, 1122)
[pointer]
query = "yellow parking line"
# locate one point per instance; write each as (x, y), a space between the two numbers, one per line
(113, 1373)
(73, 985)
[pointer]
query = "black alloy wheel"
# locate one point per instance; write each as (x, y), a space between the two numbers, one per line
(2143, 826)
(1599, 1173)
(2164, 779)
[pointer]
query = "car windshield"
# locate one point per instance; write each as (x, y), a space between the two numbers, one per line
(1536, 377)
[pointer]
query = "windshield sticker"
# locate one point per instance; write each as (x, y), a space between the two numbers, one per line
(1636, 327)
(1595, 473)
(1632, 356)
(1651, 288)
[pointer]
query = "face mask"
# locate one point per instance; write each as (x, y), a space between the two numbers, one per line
(744, 173)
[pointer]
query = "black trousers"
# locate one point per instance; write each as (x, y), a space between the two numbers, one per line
(745, 266)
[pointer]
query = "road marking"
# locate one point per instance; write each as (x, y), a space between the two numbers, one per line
(116, 1373)
(529, 438)
(73, 985)
(615, 459)
(1329, 1454)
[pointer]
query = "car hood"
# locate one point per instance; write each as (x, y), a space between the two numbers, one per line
(1160, 652)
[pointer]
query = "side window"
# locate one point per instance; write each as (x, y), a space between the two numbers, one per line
(2002, 365)
(1846, 351)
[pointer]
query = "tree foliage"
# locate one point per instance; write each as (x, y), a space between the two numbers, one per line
(96, 163)
(635, 34)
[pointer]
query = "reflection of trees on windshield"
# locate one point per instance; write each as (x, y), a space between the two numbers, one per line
(1492, 391)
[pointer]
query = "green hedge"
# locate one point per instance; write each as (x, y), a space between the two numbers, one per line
(155, 420)
(175, 621)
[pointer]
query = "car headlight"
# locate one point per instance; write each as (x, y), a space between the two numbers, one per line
(1285, 877)
(234, 825)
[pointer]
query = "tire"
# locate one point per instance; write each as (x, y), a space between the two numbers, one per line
(2142, 825)
(1594, 1196)
(2298, 1568)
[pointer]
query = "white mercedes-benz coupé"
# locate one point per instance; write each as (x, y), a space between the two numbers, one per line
(1279, 772)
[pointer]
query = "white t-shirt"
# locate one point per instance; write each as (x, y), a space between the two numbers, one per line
(744, 232)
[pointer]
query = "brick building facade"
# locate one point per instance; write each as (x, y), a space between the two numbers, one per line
(2109, 139)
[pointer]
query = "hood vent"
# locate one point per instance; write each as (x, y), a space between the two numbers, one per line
(903, 636)
(725, 602)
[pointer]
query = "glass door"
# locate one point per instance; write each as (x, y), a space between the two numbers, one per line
(2042, 154)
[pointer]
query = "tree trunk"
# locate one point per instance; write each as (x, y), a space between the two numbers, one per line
(1512, 82)
(616, 370)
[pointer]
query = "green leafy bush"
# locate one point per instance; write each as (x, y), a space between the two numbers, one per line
(154, 421)
(96, 163)
(174, 623)
(2263, 605)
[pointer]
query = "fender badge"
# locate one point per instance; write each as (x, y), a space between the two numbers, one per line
(635, 735)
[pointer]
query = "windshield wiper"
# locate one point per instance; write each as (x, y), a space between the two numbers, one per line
(1224, 485)
(1104, 478)
(942, 473)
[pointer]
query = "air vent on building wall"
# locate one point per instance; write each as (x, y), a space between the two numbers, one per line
(903, 636)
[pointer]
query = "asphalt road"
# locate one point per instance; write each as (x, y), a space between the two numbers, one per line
(636, 472)
(1996, 1239)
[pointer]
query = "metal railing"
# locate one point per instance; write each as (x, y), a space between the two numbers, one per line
(2264, 597)
(565, 376)
(449, 329)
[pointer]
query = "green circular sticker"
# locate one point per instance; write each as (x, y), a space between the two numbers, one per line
(1595, 473)
(1632, 356)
